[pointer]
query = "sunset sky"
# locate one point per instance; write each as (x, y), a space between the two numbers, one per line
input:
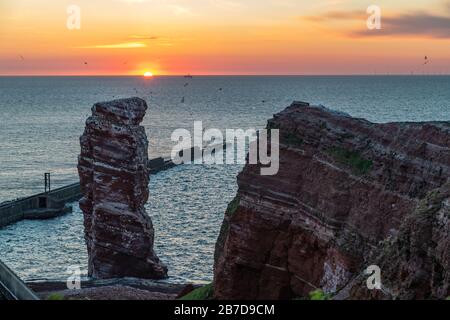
(125, 37)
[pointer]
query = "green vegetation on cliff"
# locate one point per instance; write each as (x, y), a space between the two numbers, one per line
(55, 296)
(292, 139)
(231, 209)
(202, 293)
(318, 295)
(353, 159)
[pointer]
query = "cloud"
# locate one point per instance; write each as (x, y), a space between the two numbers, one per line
(163, 41)
(126, 45)
(418, 23)
(339, 15)
(179, 10)
(144, 37)
(133, 1)
(413, 24)
(177, 7)
(227, 4)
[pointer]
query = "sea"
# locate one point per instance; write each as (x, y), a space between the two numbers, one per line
(42, 119)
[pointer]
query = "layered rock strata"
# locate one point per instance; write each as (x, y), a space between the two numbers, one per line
(349, 194)
(114, 180)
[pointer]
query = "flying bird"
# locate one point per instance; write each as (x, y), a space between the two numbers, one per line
(426, 60)
(21, 57)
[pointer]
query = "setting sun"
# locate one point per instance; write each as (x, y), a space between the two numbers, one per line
(148, 74)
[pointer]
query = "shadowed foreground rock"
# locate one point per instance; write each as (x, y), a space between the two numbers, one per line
(349, 194)
(111, 289)
(114, 180)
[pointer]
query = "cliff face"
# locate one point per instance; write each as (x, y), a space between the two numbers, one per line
(416, 263)
(114, 180)
(346, 187)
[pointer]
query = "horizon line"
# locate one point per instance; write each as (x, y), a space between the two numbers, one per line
(227, 75)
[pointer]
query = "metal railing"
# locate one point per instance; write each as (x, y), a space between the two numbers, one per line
(12, 287)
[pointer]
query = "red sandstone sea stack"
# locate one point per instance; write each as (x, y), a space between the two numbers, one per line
(349, 194)
(114, 180)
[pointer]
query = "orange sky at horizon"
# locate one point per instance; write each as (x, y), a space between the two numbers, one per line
(223, 37)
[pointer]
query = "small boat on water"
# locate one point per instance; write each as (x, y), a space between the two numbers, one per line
(188, 76)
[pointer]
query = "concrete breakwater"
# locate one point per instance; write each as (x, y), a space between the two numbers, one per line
(51, 204)
(40, 206)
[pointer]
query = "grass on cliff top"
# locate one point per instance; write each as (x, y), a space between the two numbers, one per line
(292, 139)
(233, 206)
(318, 295)
(353, 159)
(202, 293)
(55, 296)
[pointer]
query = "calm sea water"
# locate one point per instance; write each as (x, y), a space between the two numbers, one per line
(42, 118)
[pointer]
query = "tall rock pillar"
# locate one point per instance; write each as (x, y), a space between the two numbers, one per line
(114, 180)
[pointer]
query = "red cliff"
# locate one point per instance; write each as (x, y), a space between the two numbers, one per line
(114, 180)
(349, 194)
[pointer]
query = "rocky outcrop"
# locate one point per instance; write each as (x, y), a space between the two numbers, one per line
(114, 180)
(416, 263)
(349, 194)
(112, 289)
